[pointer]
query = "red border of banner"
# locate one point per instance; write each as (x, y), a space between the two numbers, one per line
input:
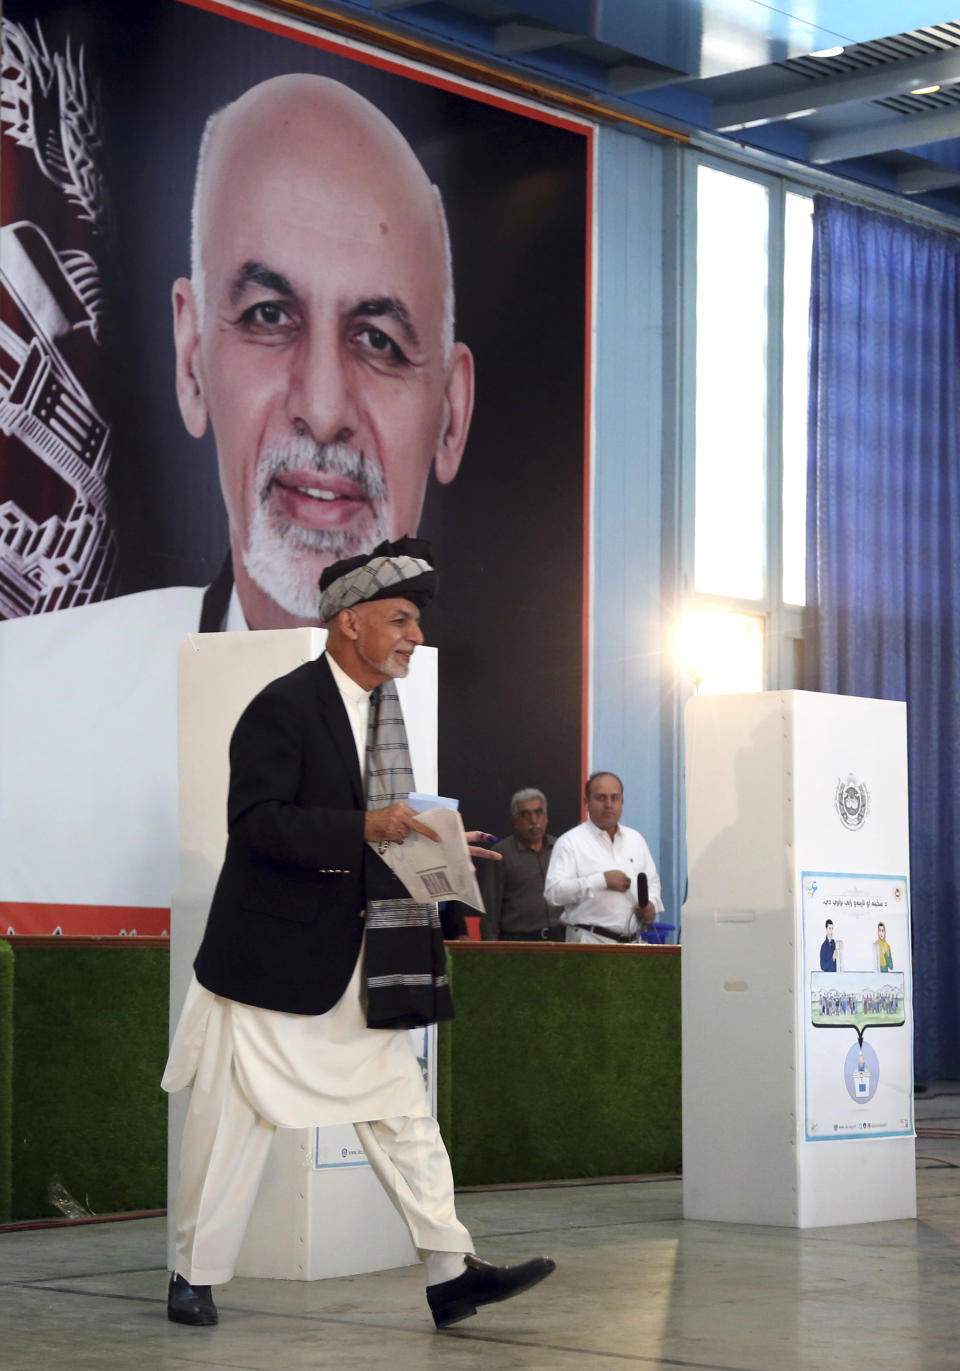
(83, 920)
(400, 67)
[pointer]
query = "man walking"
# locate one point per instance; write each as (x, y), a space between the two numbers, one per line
(310, 941)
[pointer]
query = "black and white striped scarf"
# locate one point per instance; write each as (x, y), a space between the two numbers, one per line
(405, 962)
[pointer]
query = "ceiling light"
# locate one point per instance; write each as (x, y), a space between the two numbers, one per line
(827, 52)
(925, 90)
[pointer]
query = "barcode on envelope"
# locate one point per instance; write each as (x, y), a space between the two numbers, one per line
(436, 883)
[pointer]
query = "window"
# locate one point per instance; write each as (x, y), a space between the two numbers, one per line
(798, 254)
(731, 385)
(742, 627)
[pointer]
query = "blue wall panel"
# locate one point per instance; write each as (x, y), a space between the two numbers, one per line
(626, 618)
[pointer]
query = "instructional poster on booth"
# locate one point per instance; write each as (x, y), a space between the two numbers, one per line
(858, 1058)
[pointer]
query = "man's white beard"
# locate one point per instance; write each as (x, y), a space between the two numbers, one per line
(394, 670)
(275, 546)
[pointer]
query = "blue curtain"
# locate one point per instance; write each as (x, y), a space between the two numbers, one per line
(883, 543)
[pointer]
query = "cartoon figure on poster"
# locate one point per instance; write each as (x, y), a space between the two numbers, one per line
(830, 950)
(883, 958)
(853, 987)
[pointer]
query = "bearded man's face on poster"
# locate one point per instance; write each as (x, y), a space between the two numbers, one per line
(316, 336)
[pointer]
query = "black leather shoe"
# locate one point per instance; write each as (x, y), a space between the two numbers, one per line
(191, 1304)
(483, 1283)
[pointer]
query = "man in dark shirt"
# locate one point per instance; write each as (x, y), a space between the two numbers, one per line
(516, 910)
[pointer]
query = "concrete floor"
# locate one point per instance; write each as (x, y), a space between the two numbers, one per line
(636, 1286)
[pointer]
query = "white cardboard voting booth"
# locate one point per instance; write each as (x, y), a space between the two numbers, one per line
(320, 1211)
(797, 997)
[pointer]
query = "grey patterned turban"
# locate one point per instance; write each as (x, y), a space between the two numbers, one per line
(399, 570)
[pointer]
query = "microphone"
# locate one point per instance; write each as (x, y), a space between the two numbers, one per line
(643, 890)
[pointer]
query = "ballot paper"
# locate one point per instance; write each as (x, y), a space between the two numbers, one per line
(421, 802)
(435, 871)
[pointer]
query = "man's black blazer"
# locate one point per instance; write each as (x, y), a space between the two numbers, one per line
(286, 921)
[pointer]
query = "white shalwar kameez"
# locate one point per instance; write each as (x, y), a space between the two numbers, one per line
(253, 1070)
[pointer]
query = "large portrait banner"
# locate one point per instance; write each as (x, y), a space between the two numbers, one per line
(266, 298)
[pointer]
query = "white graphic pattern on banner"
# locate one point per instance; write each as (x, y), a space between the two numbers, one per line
(53, 299)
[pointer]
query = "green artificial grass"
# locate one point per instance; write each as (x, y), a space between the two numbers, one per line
(561, 1066)
(89, 1117)
(6, 1075)
(556, 1067)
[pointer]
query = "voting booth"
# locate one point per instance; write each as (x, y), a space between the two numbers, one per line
(320, 1211)
(797, 1034)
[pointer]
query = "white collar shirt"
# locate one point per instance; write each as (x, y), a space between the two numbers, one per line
(356, 701)
(576, 877)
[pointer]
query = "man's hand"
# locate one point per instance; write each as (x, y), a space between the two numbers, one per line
(617, 880)
(477, 835)
(647, 914)
(393, 824)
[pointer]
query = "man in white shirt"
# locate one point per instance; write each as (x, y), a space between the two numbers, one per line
(594, 871)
